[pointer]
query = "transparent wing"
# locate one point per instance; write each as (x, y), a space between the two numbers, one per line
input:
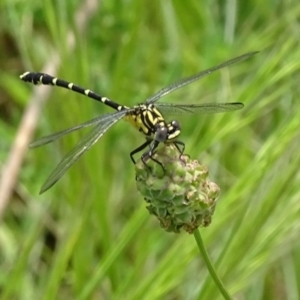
(55, 136)
(81, 147)
(205, 108)
(174, 86)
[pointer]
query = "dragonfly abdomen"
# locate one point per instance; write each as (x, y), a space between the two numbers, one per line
(42, 78)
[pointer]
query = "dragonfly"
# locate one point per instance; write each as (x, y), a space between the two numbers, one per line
(147, 117)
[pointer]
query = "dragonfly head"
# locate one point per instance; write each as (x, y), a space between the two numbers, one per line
(166, 132)
(173, 130)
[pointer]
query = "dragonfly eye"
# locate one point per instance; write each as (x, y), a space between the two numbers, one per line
(161, 134)
(176, 125)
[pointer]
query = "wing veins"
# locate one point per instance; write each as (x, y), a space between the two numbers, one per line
(81, 147)
(187, 80)
(205, 108)
(55, 136)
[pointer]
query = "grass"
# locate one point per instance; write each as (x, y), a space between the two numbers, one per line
(90, 236)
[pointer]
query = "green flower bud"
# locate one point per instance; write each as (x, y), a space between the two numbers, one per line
(180, 193)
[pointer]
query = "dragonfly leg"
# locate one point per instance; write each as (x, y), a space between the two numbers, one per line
(176, 144)
(140, 148)
(149, 155)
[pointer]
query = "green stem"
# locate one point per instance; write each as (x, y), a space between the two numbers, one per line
(210, 267)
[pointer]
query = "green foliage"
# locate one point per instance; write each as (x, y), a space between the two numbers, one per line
(90, 236)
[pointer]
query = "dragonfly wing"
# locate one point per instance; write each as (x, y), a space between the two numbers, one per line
(205, 108)
(55, 136)
(81, 147)
(174, 86)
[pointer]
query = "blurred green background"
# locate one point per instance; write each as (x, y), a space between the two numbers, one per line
(90, 236)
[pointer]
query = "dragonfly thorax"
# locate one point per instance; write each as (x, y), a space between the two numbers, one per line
(149, 121)
(145, 118)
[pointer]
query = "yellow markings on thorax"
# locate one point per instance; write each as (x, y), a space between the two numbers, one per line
(144, 118)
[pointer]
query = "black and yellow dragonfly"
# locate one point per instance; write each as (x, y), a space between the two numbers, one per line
(148, 118)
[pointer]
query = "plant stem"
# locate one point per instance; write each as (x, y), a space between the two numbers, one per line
(210, 267)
